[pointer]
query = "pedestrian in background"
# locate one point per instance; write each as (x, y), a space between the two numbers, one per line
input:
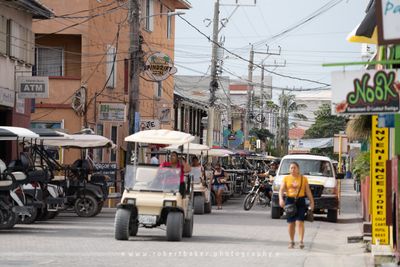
(218, 182)
(297, 188)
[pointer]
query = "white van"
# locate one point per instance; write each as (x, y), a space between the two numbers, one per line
(321, 176)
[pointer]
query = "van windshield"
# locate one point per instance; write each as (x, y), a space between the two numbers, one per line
(308, 167)
(152, 178)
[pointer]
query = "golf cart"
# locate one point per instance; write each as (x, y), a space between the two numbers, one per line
(14, 203)
(156, 195)
(201, 184)
(85, 189)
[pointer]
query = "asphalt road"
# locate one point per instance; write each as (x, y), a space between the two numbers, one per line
(228, 237)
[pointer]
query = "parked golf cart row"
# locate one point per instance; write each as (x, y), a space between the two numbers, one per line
(35, 186)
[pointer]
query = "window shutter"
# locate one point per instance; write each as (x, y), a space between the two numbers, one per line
(111, 67)
(3, 35)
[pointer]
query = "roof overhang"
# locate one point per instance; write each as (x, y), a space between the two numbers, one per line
(183, 4)
(33, 7)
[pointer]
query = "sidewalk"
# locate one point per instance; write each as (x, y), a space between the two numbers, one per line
(329, 243)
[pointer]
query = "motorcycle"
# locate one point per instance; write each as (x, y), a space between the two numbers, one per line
(257, 193)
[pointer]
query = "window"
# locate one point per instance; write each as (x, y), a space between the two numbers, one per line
(50, 61)
(308, 167)
(158, 86)
(169, 26)
(46, 125)
(149, 12)
(111, 68)
(99, 151)
(114, 134)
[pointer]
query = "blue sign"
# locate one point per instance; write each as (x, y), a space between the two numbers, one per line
(137, 122)
(386, 121)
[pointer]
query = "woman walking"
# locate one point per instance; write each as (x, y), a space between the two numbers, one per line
(297, 188)
(218, 184)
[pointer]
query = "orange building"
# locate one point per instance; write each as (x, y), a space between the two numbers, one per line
(85, 52)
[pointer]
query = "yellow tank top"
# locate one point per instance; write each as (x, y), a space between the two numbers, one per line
(293, 184)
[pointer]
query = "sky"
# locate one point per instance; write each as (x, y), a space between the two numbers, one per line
(302, 51)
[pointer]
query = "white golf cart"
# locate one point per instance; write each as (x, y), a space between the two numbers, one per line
(201, 184)
(156, 195)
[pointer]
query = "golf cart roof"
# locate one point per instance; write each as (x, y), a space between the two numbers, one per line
(14, 133)
(219, 152)
(81, 141)
(166, 137)
(51, 134)
(192, 148)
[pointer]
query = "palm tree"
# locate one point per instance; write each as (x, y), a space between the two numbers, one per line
(288, 106)
(359, 128)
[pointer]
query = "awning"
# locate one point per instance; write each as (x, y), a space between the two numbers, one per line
(366, 31)
(311, 143)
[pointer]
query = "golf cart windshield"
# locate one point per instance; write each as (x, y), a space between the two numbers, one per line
(308, 167)
(152, 179)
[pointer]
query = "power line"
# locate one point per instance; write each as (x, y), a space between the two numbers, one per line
(246, 60)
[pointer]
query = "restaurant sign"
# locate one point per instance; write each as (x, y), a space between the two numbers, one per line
(365, 92)
(159, 67)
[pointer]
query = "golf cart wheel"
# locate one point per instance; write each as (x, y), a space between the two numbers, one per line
(249, 201)
(174, 226)
(332, 215)
(188, 227)
(23, 219)
(121, 224)
(100, 207)
(207, 207)
(52, 214)
(133, 227)
(86, 206)
(199, 204)
(7, 219)
(275, 212)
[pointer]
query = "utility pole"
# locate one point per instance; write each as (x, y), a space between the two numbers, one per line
(135, 67)
(214, 81)
(246, 124)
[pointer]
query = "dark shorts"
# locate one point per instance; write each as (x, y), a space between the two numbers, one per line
(301, 209)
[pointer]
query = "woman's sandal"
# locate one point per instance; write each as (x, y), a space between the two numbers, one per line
(301, 245)
(291, 245)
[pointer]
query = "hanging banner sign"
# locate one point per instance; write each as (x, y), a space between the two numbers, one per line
(379, 156)
(159, 67)
(365, 92)
(388, 14)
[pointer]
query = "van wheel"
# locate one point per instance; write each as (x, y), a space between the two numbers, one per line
(86, 206)
(275, 212)
(188, 227)
(198, 204)
(332, 215)
(121, 224)
(174, 226)
(207, 207)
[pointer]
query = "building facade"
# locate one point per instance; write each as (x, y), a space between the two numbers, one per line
(85, 53)
(17, 56)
